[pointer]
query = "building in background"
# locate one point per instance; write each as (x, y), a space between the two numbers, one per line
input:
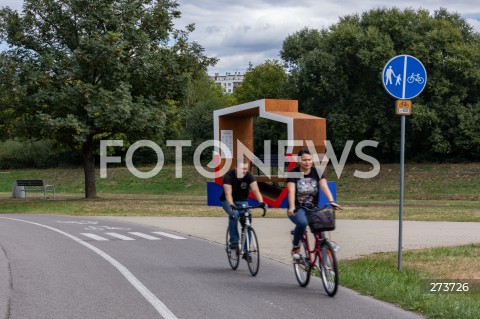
(229, 81)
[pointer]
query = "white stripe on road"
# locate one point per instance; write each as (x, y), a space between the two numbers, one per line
(147, 294)
(144, 235)
(120, 236)
(168, 235)
(93, 236)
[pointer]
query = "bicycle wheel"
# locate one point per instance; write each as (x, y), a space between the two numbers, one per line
(301, 266)
(328, 268)
(232, 253)
(252, 253)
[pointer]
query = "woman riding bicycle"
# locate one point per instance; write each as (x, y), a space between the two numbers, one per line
(236, 185)
(303, 191)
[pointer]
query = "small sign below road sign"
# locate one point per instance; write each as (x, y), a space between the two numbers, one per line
(403, 107)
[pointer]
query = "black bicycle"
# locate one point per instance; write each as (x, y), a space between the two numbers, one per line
(248, 247)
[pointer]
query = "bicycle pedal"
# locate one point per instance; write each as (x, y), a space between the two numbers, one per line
(300, 261)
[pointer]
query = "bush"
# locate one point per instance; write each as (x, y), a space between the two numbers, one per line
(33, 154)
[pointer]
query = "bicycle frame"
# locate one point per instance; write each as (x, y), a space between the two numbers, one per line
(245, 240)
(314, 252)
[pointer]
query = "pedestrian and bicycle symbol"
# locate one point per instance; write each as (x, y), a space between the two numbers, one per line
(404, 77)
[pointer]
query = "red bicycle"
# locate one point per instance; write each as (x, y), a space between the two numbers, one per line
(317, 258)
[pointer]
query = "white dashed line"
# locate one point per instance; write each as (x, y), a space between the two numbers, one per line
(96, 237)
(168, 235)
(120, 236)
(144, 236)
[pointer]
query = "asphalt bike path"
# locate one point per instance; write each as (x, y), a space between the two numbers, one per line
(51, 268)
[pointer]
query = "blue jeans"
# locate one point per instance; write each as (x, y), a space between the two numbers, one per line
(300, 220)
(233, 220)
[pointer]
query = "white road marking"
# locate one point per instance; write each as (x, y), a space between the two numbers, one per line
(82, 222)
(147, 294)
(144, 235)
(93, 236)
(123, 237)
(168, 235)
(106, 228)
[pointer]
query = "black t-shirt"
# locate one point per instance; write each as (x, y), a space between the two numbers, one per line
(240, 187)
(306, 188)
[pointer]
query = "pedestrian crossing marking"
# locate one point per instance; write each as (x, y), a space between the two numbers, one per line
(93, 236)
(168, 235)
(120, 236)
(138, 234)
(149, 237)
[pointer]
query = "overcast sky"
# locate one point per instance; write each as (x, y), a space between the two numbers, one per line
(239, 32)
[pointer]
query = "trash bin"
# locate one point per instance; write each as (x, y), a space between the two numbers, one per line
(18, 191)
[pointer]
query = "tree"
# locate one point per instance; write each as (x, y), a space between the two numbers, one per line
(265, 81)
(204, 97)
(336, 73)
(80, 71)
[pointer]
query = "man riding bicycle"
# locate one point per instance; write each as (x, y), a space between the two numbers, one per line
(236, 186)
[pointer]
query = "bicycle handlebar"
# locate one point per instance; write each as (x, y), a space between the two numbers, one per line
(243, 208)
(324, 207)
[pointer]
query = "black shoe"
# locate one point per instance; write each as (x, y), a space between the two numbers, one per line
(233, 246)
(247, 257)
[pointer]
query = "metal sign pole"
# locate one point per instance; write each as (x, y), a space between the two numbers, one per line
(402, 173)
(403, 87)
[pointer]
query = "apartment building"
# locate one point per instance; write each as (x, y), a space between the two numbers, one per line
(229, 81)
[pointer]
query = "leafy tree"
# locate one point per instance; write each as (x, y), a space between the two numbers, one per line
(265, 81)
(79, 71)
(336, 73)
(204, 97)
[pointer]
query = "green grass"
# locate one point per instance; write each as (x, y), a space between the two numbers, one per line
(377, 275)
(446, 192)
(422, 182)
(118, 181)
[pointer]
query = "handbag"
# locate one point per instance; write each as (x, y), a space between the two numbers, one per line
(321, 219)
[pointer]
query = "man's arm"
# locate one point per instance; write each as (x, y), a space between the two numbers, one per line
(227, 188)
(256, 191)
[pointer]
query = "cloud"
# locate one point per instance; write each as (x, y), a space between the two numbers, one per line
(253, 31)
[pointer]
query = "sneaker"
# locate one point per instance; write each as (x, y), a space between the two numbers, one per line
(296, 252)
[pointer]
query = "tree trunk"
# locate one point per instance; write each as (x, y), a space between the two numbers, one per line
(89, 169)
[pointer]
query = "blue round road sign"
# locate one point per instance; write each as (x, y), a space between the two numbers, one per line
(404, 77)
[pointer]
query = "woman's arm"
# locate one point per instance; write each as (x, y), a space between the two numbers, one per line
(291, 198)
(326, 190)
